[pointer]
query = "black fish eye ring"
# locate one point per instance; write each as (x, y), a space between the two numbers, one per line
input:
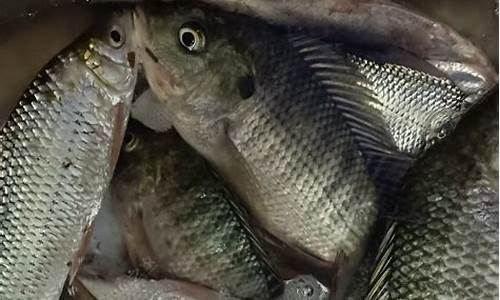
(191, 37)
(116, 37)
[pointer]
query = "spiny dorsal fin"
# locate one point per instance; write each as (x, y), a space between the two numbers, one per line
(382, 266)
(359, 107)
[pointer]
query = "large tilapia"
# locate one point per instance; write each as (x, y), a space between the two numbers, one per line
(57, 156)
(301, 127)
(193, 229)
(444, 244)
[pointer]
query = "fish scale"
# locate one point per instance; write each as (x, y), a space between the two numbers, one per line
(419, 108)
(311, 167)
(55, 165)
(188, 217)
(444, 244)
(315, 151)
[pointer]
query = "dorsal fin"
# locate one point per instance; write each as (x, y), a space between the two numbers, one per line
(359, 108)
(377, 289)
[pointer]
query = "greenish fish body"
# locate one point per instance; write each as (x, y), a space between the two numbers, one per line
(297, 125)
(193, 230)
(444, 244)
(56, 160)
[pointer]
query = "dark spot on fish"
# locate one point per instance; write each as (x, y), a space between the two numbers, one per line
(66, 164)
(246, 86)
(131, 59)
(69, 264)
(153, 57)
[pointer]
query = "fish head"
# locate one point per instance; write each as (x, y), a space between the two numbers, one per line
(109, 54)
(194, 62)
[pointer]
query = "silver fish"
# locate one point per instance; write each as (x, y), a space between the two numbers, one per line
(444, 242)
(58, 150)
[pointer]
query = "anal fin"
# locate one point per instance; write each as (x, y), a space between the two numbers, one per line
(382, 266)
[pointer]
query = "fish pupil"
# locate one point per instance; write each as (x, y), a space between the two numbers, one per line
(115, 36)
(188, 39)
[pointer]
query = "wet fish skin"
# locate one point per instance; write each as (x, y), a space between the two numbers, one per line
(127, 288)
(188, 218)
(304, 287)
(123, 287)
(392, 23)
(248, 148)
(310, 148)
(419, 108)
(56, 159)
(444, 244)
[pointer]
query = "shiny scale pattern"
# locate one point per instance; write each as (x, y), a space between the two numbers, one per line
(54, 167)
(313, 190)
(419, 108)
(193, 228)
(445, 242)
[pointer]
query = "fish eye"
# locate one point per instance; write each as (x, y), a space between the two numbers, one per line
(191, 37)
(116, 37)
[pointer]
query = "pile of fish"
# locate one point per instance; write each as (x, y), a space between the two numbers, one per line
(267, 158)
